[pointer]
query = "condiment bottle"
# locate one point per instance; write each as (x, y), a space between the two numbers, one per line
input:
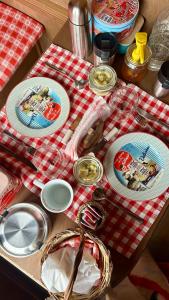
(105, 46)
(136, 59)
(161, 87)
(80, 20)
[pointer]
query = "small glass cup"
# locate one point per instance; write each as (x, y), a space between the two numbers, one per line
(125, 99)
(50, 161)
(88, 170)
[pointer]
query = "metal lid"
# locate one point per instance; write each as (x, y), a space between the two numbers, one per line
(115, 13)
(79, 11)
(24, 228)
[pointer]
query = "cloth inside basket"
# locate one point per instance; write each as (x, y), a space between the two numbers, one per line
(57, 268)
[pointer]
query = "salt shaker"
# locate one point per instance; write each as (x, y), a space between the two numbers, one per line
(80, 20)
(161, 87)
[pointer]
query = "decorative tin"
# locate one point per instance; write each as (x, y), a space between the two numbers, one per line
(116, 13)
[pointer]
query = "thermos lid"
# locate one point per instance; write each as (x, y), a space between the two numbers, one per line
(79, 11)
(105, 45)
(163, 75)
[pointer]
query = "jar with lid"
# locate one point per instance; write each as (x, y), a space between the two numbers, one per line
(88, 170)
(133, 71)
(102, 80)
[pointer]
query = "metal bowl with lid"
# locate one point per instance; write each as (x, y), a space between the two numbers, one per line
(24, 228)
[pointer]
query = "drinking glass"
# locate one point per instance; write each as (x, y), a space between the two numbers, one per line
(50, 161)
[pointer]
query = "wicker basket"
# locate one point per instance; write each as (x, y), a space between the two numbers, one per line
(105, 264)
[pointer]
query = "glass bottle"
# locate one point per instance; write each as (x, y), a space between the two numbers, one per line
(134, 71)
(159, 41)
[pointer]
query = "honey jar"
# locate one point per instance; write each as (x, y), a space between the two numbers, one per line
(132, 71)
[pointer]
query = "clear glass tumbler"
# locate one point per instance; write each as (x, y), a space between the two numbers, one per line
(50, 161)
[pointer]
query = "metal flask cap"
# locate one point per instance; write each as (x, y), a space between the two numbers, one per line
(79, 11)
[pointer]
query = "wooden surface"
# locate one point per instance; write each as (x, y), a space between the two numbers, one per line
(47, 12)
(54, 18)
(150, 10)
(53, 14)
(31, 265)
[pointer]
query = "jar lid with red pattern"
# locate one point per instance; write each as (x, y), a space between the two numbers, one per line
(116, 13)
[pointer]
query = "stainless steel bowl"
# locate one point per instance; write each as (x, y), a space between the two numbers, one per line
(24, 228)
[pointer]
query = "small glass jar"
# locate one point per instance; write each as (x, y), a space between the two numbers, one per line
(132, 71)
(102, 80)
(88, 170)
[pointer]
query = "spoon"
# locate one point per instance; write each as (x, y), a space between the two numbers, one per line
(80, 84)
(100, 195)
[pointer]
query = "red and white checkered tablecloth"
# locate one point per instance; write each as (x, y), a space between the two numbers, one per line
(18, 35)
(120, 231)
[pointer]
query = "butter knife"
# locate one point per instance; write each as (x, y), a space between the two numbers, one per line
(18, 157)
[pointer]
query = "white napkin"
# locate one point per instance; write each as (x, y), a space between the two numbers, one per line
(57, 268)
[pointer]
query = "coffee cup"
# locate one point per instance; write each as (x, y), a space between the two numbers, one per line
(56, 194)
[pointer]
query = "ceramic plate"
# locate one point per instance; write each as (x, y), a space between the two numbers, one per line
(137, 166)
(37, 107)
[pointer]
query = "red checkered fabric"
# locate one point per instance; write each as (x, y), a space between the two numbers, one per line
(18, 34)
(120, 231)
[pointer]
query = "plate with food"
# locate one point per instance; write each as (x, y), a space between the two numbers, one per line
(137, 166)
(37, 107)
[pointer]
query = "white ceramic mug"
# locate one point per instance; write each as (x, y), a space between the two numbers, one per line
(56, 194)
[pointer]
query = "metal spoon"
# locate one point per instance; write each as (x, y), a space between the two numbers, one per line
(80, 84)
(100, 195)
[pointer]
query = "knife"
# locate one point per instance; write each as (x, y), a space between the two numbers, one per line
(18, 157)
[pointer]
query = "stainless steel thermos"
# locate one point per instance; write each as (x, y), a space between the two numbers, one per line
(80, 20)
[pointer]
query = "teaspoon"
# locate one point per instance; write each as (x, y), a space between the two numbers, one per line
(100, 195)
(80, 84)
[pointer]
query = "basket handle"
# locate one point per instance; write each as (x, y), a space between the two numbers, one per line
(75, 267)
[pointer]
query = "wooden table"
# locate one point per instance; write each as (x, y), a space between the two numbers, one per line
(31, 265)
(122, 265)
